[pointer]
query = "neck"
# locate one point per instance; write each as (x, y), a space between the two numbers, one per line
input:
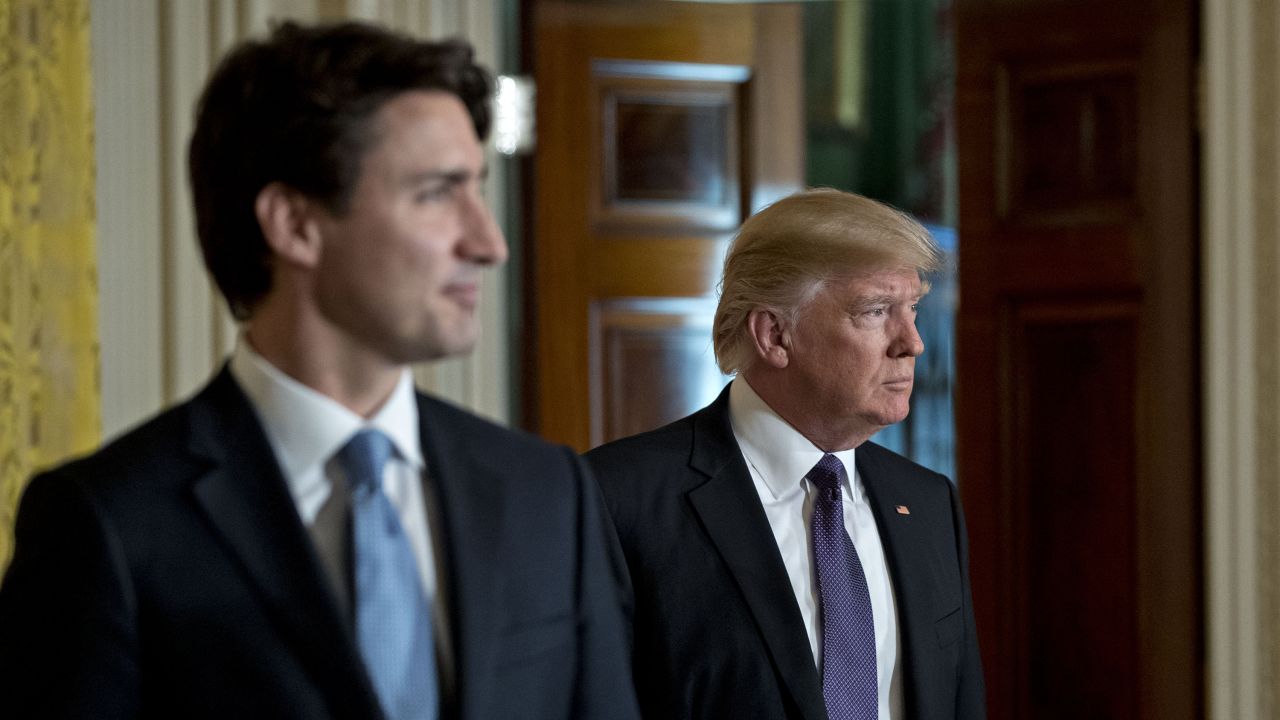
(829, 434)
(315, 353)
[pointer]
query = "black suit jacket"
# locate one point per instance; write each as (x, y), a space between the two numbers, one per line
(169, 576)
(718, 632)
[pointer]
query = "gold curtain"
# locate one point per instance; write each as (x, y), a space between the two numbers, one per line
(48, 279)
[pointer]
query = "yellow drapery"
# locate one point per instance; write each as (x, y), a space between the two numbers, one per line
(49, 399)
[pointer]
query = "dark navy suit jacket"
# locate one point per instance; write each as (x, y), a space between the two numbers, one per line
(718, 632)
(169, 576)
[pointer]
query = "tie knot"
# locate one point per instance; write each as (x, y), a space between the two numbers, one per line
(363, 458)
(828, 473)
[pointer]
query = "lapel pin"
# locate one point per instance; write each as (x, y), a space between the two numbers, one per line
(902, 509)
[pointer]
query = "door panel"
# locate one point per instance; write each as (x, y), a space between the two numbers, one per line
(666, 338)
(1077, 334)
(661, 126)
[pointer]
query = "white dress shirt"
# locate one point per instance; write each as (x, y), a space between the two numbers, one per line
(779, 457)
(307, 429)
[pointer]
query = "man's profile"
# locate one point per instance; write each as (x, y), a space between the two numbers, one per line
(307, 536)
(783, 565)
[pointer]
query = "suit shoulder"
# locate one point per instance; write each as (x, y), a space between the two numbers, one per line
(899, 466)
(160, 451)
(669, 444)
(654, 467)
(479, 431)
(124, 482)
(151, 443)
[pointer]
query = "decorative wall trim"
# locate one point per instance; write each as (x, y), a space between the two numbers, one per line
(1267, 329)
(126, 82)
(1241, 301)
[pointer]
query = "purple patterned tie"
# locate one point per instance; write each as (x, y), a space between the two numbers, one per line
(848, 629)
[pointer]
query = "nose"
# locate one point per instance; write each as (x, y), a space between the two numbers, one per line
(483, 242)
(907, 341)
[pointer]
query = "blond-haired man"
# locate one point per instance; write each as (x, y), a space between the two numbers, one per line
(783, 565)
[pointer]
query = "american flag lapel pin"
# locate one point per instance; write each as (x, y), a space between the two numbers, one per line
(902, 509)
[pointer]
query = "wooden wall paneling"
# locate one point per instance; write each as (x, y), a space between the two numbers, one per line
(560, 268)
(666, 140)
(774, 123)
(1089, 178)
(634, 339)
(596, 243)
(1074, 374)
(1170, 486)
(1077, 445)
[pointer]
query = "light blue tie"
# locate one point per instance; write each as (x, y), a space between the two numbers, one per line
(393, 619)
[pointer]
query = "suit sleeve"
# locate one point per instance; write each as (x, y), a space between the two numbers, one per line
(604, 688)
(971, 687)
(67, 641)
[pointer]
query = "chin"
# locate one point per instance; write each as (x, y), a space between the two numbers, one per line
(421, 350)
(892, 418)
(458, 345)
(441, 342)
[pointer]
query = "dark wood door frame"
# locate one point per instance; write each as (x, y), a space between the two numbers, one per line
(1078, 385)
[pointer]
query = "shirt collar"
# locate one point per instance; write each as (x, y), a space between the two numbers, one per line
(780, 454)
(306, 428)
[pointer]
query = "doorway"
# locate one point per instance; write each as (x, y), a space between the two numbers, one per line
(1051, 146)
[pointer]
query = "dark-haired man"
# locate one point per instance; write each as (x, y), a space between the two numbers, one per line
(307, 537)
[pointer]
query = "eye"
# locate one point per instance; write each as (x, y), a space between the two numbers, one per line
(431, 194)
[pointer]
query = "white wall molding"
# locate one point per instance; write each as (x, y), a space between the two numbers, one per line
(1241, 302)
(126, 81)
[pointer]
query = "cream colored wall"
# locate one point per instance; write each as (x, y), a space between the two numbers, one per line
(1241, 356)
(163, 327)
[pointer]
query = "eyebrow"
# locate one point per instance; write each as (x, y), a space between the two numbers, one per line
(451, 177)
(886, 298)
(869, 301)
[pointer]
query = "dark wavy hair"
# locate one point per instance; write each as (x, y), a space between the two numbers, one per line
(297, 108)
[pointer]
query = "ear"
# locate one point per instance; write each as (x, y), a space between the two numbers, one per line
(288, 222)
(770, 338)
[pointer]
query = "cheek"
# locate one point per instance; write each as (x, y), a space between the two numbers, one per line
(426, 251)
(405, 262)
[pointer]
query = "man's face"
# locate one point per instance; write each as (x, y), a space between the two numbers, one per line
(399, 272)
(853, 353)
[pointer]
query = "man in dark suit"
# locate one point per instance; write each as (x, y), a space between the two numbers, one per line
(307, 537)
(783, 565)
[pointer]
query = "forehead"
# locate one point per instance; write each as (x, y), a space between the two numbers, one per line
(413, 106)
(417, 124)
(901, 284)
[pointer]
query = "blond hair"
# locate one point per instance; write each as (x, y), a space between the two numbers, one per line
(784, 254)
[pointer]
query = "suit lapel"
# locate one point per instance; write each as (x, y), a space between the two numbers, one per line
(906, 553)
(246, 500)
(469, 504)
(730, 510)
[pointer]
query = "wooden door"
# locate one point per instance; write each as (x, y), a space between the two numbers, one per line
(660, 127)
(1077, 345)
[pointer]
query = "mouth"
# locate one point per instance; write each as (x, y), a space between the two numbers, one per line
(901, 383)
(466, 294)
